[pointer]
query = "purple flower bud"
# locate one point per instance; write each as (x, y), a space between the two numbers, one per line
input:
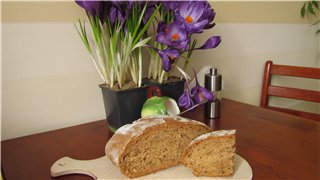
(95, 8)
(92, 7)
(114, 15)
(212, 42)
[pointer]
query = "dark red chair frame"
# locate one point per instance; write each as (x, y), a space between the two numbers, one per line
(287, 92)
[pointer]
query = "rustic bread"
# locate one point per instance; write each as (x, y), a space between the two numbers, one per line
(151, 144)
(211, 154)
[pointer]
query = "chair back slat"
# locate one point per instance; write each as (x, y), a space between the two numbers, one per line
(296, 112)
(305, 72)
(288, 92)
(293, 93)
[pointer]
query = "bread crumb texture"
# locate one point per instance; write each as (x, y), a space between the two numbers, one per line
(211, 154)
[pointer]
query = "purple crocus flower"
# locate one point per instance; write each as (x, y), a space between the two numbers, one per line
(92, 7)
(199, 93)
(174, 36)
(95, 8)
(208, 14)
(189, 14)
(123, 6)
(170, 5)
(115, 14)
(168, 57)
(120, 10)
(185, 100)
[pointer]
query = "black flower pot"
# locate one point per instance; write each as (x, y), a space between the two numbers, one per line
(124, 106)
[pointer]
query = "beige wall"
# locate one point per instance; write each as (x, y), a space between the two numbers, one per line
(48, 81)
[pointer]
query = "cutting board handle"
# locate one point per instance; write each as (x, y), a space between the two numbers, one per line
(67, 165)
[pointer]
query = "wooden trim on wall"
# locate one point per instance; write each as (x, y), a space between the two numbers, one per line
(41, 11)
(227, 12)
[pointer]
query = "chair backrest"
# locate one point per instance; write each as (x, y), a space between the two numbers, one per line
(287, 92)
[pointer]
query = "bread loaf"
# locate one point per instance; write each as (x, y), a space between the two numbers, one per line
(211, 154)
(152, 144)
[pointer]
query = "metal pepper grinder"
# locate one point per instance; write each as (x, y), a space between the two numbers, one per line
(212, 82)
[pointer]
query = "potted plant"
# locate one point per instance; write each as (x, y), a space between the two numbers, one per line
(121, 30)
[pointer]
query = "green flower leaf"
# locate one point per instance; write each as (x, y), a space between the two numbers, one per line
(303, 10)
(141, 43)
(315, 4)
(310, 9)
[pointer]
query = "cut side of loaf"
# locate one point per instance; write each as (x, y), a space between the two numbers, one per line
(211, 154)
(152, 144)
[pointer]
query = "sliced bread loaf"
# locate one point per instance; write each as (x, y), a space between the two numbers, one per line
(211, 154)
(152, 144)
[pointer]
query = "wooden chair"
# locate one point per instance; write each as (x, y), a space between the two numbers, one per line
(286, 92)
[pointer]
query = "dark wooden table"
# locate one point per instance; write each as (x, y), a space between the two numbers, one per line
(276, 145)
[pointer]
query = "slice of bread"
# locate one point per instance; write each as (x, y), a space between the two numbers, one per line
(152, 144)
(211, 154)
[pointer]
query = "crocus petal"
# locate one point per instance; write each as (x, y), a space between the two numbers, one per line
(170, 5)
(183, 44)
(208, 14)
(161, 27)
(184, 8)
(196, 27)
(196, 11)
(183, 35)
(162, 37)
(212, 42)
(201, 94)
(91, 6)
(174, 28)
(166, 65)
(172, 53)
(185, 101)
(194, 90)
(113, 14)
(209, 26)
(206, 93)
(168, 56)
(179, 19)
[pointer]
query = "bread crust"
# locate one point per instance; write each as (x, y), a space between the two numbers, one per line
(125, 137)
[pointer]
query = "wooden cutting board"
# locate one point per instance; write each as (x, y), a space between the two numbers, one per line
(103, 168)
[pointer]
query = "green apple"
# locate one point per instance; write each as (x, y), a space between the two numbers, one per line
(160, 106)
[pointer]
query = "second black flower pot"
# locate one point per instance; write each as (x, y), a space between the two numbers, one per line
(173, 88)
